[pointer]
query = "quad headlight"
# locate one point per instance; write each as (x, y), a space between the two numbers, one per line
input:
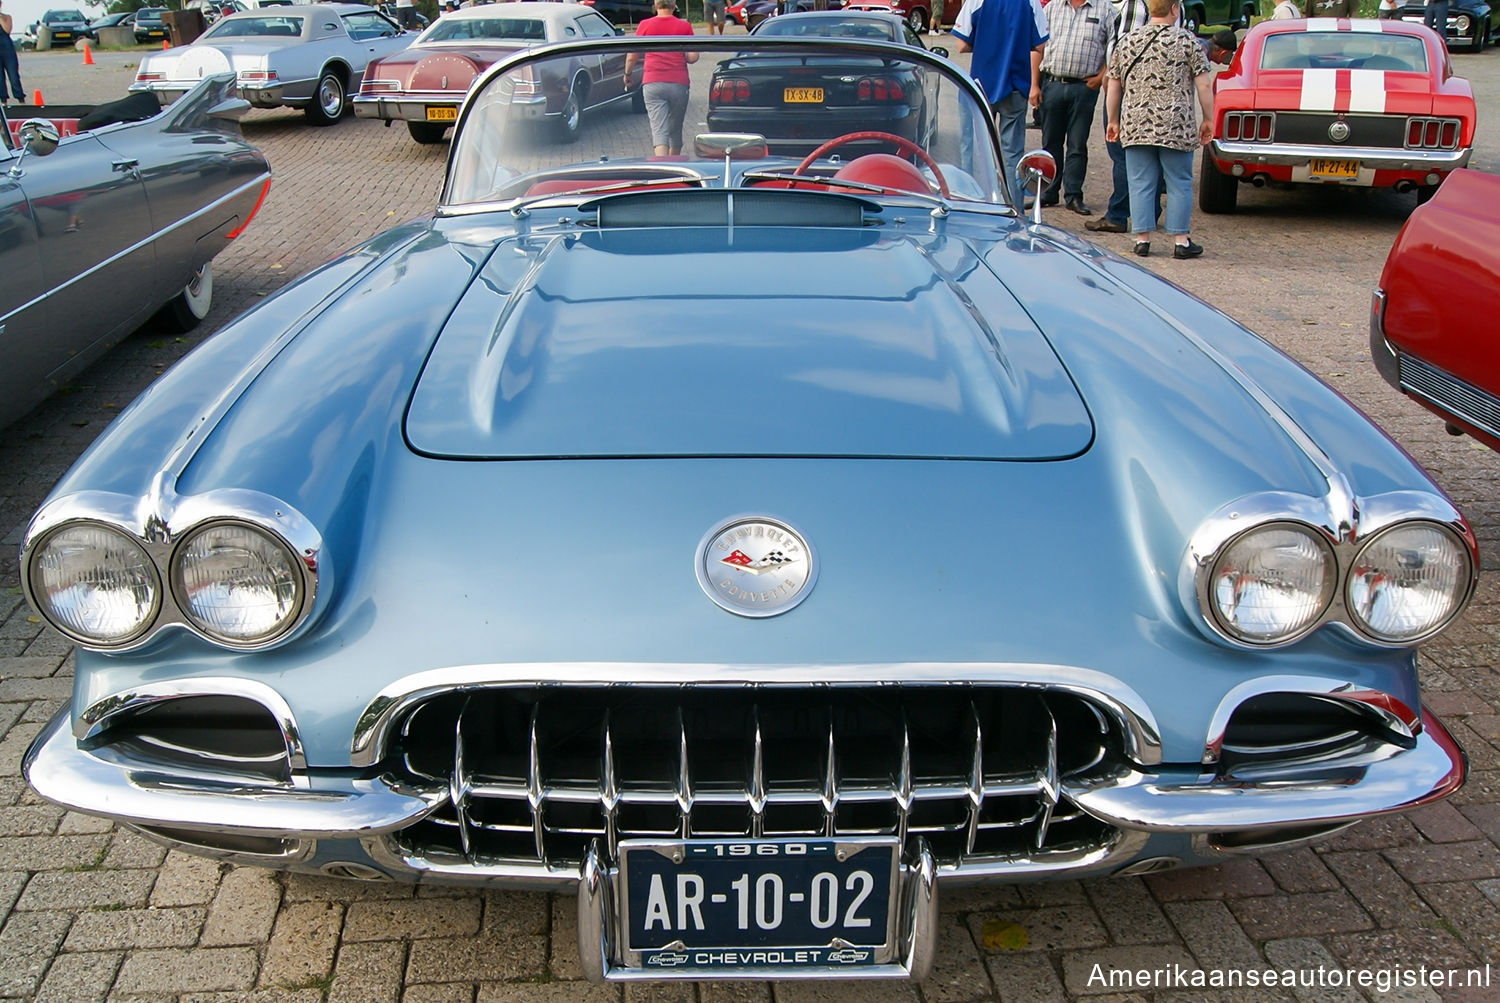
(237, 583)
(1272, 583)
(1408, 581)
(95, 584)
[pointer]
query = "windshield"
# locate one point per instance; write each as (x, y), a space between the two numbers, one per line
(281, 26)
(1343, 50)
(57, 16)
(562, 121)
(521, 29)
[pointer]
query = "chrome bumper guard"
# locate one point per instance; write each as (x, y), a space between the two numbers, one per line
(63, 772)
(600, 920)
(1382, 778)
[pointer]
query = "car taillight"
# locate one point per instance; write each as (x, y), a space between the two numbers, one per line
(257, 76)
(379, 86)
(729, 90)
(142, 77)
(879, 89)
(1249, 126)
(265, 187)
(526, 82)
(1432, 133)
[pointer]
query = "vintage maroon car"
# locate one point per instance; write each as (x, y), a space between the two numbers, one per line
(424, 84)
(1442, 277)
(1361, 102)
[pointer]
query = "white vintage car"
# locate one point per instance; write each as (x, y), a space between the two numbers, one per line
(309, 56)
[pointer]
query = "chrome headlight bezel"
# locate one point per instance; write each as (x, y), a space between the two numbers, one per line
(1466, 584)
(35, 593)
(179, 589)
(1328, 594)
(1346, 534)
(159, 527)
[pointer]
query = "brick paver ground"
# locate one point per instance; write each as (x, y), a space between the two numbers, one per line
(90, 912)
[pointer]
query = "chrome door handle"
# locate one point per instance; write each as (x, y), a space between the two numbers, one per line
(124, 165)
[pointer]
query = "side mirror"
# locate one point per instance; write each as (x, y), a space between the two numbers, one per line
(1036, 171)
(939, 50)
(39, 136)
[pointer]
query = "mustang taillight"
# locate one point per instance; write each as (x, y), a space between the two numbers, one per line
(1433, 133)
(879, 89)
(1249, 126)
(257, 76)
(729, 90)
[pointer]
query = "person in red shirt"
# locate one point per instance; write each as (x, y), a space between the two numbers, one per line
(664, 79)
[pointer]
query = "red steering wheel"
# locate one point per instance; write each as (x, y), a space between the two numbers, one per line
(905, 146)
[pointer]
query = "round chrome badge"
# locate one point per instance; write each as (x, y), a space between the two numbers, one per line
(1338, 131)
(756, 566)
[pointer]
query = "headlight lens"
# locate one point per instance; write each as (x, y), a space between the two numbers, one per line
(1272, 583)
(1408, 581)
(237, 583)
(95, 584)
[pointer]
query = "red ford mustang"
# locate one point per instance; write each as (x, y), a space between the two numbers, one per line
(424, 84)
(1337, 101)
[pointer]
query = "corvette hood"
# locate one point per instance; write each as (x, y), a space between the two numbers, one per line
(835, 343)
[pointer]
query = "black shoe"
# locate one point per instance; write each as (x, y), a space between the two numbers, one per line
(1049, 203)
(1075, 204)
(1105, 225)
(1188, 250)
(1143, 248)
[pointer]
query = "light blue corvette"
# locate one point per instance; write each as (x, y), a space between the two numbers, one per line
(751, 543)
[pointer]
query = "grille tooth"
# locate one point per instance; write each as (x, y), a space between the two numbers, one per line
(976, 780)
(830, 780)
(534, 783)
(609, 788)
(460, 784)
(1049, 781)
(976, 771)
(757, 776)
(684, 785)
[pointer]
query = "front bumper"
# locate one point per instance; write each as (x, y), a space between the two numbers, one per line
(1373, 779)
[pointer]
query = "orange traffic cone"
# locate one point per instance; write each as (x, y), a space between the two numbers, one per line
(88, 57)
(165, 45)
(36, 98)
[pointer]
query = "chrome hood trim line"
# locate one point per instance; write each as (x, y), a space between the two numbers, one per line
(1138, 726)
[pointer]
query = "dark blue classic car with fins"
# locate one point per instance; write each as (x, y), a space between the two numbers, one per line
(751, 545)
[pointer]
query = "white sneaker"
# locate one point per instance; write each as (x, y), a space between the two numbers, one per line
(934, 31)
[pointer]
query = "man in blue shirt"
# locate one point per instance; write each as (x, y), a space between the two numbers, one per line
(1007, 38)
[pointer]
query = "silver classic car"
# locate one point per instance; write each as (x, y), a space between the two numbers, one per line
(121, 207)
(748, 544)
(310, 56)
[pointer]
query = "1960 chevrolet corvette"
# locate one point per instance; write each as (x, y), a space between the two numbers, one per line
(750, 544)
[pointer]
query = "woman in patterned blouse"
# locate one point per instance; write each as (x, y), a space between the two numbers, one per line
(1154, 73)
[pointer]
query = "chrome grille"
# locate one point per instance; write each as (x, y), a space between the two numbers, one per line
(534, 774)
(1479, 407)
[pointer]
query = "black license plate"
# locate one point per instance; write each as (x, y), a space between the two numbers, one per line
(772, 903)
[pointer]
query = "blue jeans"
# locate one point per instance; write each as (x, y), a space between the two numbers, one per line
(1067, 115)
(1435, 16)
(1149, 166)
(10, 68)
(1118, 210)
(1010, 118)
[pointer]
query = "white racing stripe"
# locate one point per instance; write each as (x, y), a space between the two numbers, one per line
(1322, 24)
(1366, 90)
(1319, 89)
(1366, 24)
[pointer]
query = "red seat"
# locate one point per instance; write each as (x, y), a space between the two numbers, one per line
(885, 170)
